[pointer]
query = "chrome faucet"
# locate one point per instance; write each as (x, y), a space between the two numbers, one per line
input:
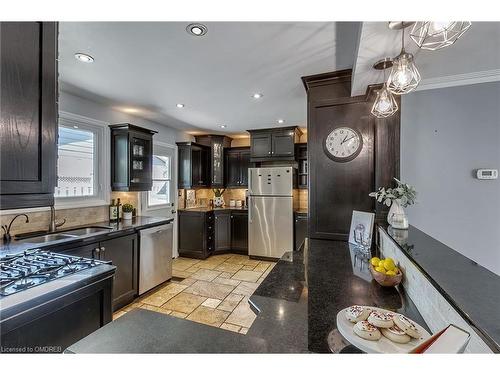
(6, 229)
(53, 225)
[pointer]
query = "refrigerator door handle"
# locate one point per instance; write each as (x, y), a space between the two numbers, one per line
(249, 209)
(250, 181)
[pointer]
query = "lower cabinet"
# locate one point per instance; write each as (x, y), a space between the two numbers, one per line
(122, 252)
(203, 233)
(239, 232)
(222, 231)
(300, 229)
(195, 235)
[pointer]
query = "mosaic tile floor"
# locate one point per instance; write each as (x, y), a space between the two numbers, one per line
(213, 291)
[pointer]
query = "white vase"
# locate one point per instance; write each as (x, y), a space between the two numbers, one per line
(127, 215)
(218, 202)
(397, 217)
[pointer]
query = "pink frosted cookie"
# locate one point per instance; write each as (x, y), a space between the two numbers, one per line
(381, 319)
(357, 313)
(366, 331)
(406, 325)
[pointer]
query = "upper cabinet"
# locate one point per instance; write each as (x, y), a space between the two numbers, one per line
(28, 111)
(273, 144)
(217, 144)
(237, 162)
(131, 158)
(194, 165)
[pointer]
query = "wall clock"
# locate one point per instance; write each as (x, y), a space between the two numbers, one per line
(343, 144)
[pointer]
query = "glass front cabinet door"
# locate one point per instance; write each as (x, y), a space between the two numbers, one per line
(131, 158)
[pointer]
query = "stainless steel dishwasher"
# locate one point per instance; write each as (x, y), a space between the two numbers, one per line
(155, 256)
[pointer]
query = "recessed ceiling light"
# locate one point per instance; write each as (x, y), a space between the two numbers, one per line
(257, 95)
(83, 57)
(281, 121)
(196, 29)
(180, 105)
(130, 110)
(75, 126)
(223, 126)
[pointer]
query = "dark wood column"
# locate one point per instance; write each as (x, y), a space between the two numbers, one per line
(337, 188)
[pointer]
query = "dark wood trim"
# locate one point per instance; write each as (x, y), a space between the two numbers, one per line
(326, 78)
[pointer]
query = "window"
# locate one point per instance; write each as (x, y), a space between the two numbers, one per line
(162, 175)
(82, 169)
(75, 163)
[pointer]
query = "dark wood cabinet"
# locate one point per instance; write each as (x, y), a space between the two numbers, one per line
(239, 232)
(195, 236)
(28, 111)
(131, 158)
(273, 144)
(217, 144)
(300, 229)
(302, 166)
(122, 252)
(193, 165)
(261, 145)
(222, 231)
(237, 162)
(202, 233)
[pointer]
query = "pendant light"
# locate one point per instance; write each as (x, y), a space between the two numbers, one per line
(432, 35)
(385, 104)
(404, 76)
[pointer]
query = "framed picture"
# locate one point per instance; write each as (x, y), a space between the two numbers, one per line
(361, 228)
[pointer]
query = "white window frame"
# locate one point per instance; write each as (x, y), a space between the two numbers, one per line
(145, 208)
(101, 161)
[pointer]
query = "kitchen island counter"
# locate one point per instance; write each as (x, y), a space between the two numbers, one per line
(296, 308)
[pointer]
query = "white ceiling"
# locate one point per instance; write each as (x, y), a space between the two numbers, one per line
(152, 66)
(475, 57)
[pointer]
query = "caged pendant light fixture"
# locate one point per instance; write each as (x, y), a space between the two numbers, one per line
(404, 76)
(432, 35)
(385, 104)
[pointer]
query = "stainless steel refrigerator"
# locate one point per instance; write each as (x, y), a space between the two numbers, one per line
(270, 211)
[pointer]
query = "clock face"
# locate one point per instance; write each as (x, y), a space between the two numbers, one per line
(343, 144)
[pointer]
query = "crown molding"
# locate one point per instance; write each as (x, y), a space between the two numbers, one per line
(459, 80)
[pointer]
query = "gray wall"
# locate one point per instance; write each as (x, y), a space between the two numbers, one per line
(97, 111)
(445, 135)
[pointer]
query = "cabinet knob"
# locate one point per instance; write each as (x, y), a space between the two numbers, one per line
(269, 152)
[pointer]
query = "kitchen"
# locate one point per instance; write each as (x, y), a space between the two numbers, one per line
(222, 223)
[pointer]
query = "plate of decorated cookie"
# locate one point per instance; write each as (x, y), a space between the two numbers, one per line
(376, 330)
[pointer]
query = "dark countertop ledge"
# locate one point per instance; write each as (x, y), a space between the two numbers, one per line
(137, 223)
(296, 308)
(209, 209)
(472, 290)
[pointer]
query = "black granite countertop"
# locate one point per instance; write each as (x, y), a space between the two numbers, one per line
(296, 308)
(209, 209)
(470, 288)
(137, 223)
(144, 331)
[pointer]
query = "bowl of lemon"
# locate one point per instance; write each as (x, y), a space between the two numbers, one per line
(385, 272)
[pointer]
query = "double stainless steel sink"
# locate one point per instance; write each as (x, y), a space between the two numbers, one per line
(62, 235)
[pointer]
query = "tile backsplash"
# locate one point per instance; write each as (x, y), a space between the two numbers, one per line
(203, 197)
(39, 220)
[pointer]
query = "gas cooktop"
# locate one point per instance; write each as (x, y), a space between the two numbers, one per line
(31, 268)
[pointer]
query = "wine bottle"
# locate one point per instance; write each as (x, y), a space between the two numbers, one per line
(113, 212)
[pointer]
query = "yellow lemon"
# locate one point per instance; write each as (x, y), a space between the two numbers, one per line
(380, 269)
(390, 273)
(381, 263)
(389, 264)
(374, 261)
(396, 270)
